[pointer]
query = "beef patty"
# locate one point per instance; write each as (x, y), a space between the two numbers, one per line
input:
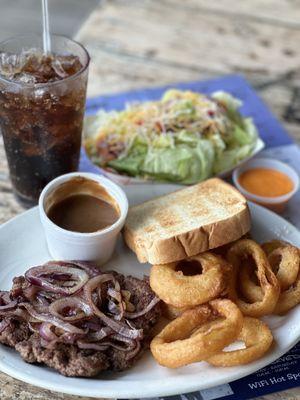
(68, 359)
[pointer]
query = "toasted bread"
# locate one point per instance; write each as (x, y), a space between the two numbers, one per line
(187, 222)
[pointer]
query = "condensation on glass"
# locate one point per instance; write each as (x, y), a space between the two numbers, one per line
(42, 102)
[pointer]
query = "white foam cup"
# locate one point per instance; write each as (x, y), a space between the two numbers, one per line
(68, 245)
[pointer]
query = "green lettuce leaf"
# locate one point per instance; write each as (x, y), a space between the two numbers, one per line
(231, 158)
(239, 147)
(132, 162)
(129, 165)
(231, 105)
(181, 163)
(178, 164)
(187, 156)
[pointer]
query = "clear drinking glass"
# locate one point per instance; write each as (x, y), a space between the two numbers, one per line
(41, 111)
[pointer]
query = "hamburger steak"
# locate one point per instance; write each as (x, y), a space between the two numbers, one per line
(103, 323)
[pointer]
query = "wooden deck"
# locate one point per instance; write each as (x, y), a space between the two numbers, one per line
(24, 16)
(140, 43)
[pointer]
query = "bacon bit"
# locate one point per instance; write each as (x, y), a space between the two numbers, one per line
(159, 125)
(109, 151)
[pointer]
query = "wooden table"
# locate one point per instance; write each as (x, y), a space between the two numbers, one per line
(140, 43)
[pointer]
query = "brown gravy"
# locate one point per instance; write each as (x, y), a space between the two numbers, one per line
(82, 205)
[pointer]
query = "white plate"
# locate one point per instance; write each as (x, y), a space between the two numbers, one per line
(127, 180)
(22, 244)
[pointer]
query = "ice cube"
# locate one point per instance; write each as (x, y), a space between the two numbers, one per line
(24, 77)
(58, 68)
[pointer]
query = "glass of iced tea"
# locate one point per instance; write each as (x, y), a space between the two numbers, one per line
(42, 102)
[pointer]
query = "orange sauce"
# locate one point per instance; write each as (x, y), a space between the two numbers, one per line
(266, 182)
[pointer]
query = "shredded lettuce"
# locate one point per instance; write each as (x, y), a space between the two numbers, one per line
(185, 137)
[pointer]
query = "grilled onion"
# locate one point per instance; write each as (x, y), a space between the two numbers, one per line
(117, 326)
(72, 305)
(57, 278)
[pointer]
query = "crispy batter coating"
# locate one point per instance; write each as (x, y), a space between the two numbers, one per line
(257, 338)
(179, 290)
(197, 334)
(237, 256)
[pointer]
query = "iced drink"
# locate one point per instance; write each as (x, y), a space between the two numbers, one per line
(42, 101)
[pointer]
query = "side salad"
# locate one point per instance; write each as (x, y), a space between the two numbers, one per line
(185, 137)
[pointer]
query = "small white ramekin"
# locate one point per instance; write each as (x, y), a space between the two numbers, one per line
(96, 246)
(278, 203)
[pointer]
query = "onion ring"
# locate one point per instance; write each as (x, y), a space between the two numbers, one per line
(257, 337)
(272, 245)
(288, 299)
(288, 265)
(179, 290)
(267, 279)
(286, 261)
(197, 334)
(171, 312)
(249, 289)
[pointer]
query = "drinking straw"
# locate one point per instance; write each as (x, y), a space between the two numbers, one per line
(46, 30)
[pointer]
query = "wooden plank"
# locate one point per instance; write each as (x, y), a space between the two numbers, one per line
(274, 12)
(13, 389)
(24, 16)
(204, 42)
(145, 43)
(122, 42)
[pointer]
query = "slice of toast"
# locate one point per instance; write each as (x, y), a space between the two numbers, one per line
(187, 222)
